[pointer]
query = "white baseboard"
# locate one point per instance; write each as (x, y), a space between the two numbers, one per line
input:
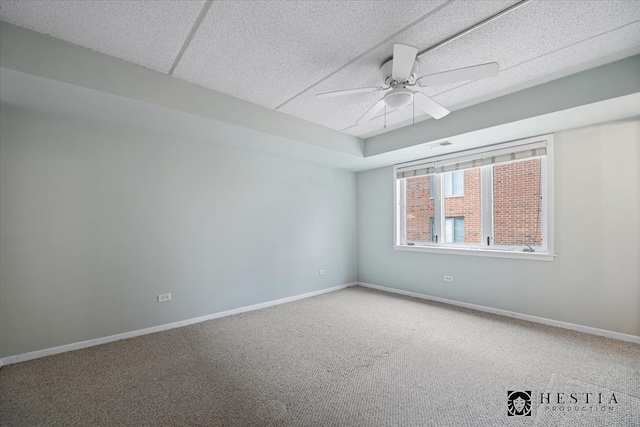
(97, 341)
(572, 326)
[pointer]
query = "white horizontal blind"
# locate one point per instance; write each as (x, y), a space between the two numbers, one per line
(502, 153)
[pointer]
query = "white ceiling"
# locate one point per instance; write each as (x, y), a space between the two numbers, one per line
(279, 54)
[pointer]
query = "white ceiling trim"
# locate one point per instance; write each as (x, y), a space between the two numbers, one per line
(39, 94)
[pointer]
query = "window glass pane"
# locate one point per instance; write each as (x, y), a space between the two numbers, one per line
(466, 208)
(517, 203)
(448, 230)
(454, 183)
(448, 185)
(458, 230)
(432, 186)
(458, 183)
(419, 209)
(432, 228)
(454, 230)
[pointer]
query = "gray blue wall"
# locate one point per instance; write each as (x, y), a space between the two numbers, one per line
(594, 280)
(96, 220)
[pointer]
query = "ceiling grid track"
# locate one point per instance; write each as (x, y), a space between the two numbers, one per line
(472, 28)
(187, 41)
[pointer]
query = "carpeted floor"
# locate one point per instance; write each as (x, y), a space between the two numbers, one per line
(355, 357)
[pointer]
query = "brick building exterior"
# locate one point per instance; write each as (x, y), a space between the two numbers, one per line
(517, 201)
(468, 207)
(517, 207)
(419, 209)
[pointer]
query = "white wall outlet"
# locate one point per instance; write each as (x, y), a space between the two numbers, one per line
(164, 297)
(448, 278)
(323, 272)
(339, 269)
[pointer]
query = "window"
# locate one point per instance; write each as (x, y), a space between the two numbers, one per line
(493, 201)
(454, 184)
(454, 230)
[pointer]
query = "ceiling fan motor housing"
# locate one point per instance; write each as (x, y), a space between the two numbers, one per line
(387, 69)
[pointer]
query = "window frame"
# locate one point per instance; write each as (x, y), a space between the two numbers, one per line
(544, 252)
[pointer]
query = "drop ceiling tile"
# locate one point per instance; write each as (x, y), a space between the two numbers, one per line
(609, 47)
(532, 31)
(267, 52)
(596, 51)
(147, 33)
(341, 113)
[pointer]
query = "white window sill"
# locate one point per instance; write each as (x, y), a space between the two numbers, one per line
(493, 253)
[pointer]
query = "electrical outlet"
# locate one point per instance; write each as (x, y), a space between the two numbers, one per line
(323, 272)
(164, 297)
(448, 278)
(339, 269)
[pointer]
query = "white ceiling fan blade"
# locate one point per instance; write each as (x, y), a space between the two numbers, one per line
(404, 57)
(429, 106)
(474, 72)
(372, 112)
(349, 92)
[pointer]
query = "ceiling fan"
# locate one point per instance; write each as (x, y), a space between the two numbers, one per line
(399, 79)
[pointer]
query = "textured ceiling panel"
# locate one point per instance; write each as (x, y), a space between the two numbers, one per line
(342, 112)
(148, 33)
(267, 52)
(532, 31)
(611, 46)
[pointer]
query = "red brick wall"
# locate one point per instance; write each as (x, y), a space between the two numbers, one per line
(419, 209)
(517, 213)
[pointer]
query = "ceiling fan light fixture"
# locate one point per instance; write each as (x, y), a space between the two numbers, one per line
(398, 98)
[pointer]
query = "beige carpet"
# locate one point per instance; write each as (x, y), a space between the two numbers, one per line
(355, 357)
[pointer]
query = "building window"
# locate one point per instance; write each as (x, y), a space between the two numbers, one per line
(454, 184)
(491, 199)
(454, 230)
